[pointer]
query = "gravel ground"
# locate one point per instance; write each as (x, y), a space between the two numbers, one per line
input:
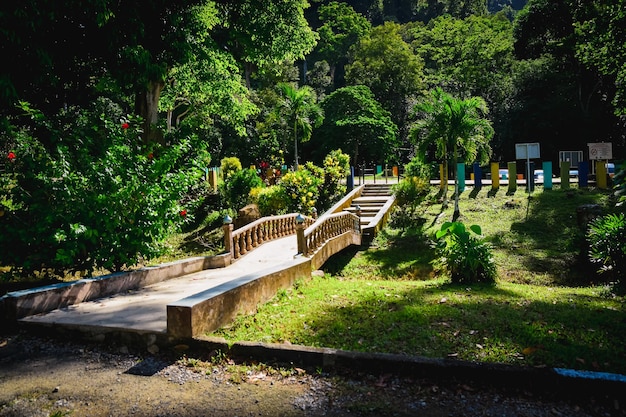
(46, 377)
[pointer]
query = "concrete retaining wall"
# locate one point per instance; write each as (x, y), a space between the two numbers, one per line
(19, 304)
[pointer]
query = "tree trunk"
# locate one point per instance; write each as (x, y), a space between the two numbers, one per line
(457, 212)
(147, 106)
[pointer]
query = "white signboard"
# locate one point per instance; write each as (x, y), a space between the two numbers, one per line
(600, 151)
(527, 151)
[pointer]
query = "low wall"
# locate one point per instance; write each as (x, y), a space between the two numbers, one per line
(18, 304)
(211, 309)
(380, 220)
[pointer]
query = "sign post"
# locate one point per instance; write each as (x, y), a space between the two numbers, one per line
(528, 151)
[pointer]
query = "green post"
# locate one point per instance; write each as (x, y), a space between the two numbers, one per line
(547, 175)
(565, 174)
(460, 175)
(512, 166)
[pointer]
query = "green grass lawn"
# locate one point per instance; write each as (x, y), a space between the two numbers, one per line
(547, 308)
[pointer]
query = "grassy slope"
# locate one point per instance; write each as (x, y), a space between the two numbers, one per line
(387, 298)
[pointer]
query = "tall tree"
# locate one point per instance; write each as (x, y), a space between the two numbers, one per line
(341, 28)
(301, 110)
(385, 63)
(457, 129)
(356, 123)
(601, 30)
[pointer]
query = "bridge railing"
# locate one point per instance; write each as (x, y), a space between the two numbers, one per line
(324, 229)
(243, 240)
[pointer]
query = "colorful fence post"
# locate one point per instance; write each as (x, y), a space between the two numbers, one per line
(443, 177)
(583, 174)
(601, 181)
(547, 175)
(565, 174)
(495, 175)
(460, 176)
(512, 167)
(478, 176)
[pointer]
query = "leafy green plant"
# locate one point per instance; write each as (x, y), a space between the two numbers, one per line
(409, 193)
(235, 190)
(270, 200)
(88, 194)
(466, 257)
(302, 190)
(230, 165)
(607, 242)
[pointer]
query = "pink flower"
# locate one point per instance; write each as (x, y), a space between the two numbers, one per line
(125, 125)
(11, 156)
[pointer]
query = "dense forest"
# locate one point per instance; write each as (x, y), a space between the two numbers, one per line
(106, 105)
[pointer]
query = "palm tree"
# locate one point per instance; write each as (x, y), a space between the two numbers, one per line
(302, 110)
(458, 130)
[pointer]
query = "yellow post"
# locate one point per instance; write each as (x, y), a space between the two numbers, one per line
(495, 175)
(601, 175)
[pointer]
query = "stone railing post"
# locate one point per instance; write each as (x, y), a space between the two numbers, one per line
(302, 247)
(228, 235)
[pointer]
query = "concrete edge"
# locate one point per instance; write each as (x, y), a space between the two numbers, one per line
(19, 304)
(209, 310)
(540, 381)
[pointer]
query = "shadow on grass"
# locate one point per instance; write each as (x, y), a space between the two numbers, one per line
(405, 256)
(551, 238)
(484, 323)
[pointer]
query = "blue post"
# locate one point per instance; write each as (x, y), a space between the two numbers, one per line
(350, 180)
(583, 174)
(547, 175)
(478, 176)
(460, 176)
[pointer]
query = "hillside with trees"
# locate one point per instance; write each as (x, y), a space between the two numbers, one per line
(111, 112)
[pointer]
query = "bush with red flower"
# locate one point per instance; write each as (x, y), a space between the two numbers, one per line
(89, 197)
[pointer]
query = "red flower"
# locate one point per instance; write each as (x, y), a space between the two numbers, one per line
(11, 156)
(150, 155)
(183, 213)
(125, 125)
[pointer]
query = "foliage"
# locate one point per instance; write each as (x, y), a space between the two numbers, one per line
(336, 168)
(235, 190)
(418, 168)
(410, 192)
(469, 57)
(466, 258)
(607, 242)
(94, 198)
(301, 112)
(385, 63)
(271, 200)
(619, 184)
(456, 128)
(357, 122)
(302, 190)
(601, 38)
(230, 165)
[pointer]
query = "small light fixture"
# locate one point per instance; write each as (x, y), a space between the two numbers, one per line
(299, 218)
(227, 219)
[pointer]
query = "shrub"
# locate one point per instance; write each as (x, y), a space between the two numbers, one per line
(336, 168)
(90, 195)
(235, 190)
(409, 193)
(270, 200)
(417, 168)
(301, 190)
(465, 257)
(229, 166)
(607, 243)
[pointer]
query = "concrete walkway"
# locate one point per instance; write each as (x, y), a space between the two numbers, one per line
(144, 310)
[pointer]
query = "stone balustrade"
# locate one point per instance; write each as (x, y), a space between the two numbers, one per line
(248, 237)
(327, 228)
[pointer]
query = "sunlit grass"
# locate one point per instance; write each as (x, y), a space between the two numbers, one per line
(388, 298)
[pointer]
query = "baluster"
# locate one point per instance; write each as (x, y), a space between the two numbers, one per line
(248, 241)
(242, 244)
(253, 234)
(260, 232)
(236, 250)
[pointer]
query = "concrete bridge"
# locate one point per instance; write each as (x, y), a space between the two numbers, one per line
(190, 298)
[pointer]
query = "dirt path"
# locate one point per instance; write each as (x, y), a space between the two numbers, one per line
(42, 377)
